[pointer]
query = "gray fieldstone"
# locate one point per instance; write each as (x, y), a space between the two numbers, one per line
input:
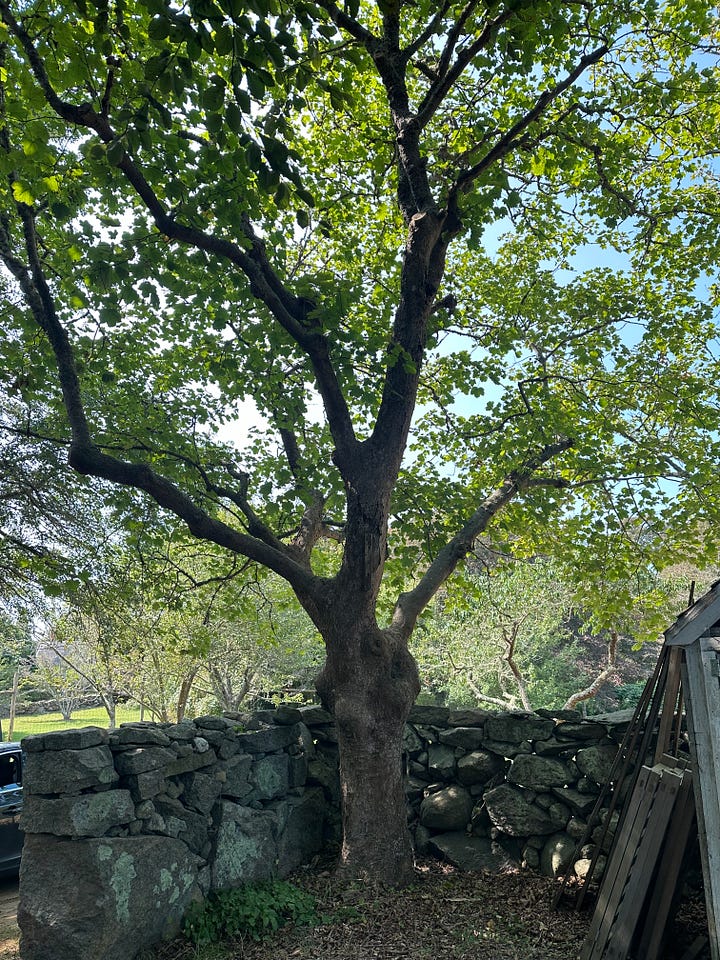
(126, 894)
(212, 722)
(478, 767)
(201, 792)
(468, 737)
(596, 762)
(579, 803)
(191, 761)
(468, 718)
(270, 777)
(87, 815)
(270, 739)
(301, 827)
(197, 825)
(511, 812)
(471, 853)
(78, 739)
(143, 759)
(538, 773)
(429, 715)
(514, 728)
(414, 789)
(145, 786)
(184, 732)
(246, 846)
(69, 771)
(237, 770)
(554, 747)
(580, 731)
(308, 713)
(448, 809)
(441, 761)
(140, 734)
(557, 855)
(412, 744)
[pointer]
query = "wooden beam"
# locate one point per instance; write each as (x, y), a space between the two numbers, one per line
(666, 888)
(647, 853)
(702, 697)
(701, 616)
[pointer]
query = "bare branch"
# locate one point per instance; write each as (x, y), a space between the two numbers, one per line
(444, 84)
(589, 692)
(346, 22)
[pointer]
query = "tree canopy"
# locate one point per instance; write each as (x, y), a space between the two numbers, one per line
(458, 257)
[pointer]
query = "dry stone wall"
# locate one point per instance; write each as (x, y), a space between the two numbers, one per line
(494, 790)
(124, 830)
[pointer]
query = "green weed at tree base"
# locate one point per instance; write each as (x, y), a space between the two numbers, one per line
(253, 910)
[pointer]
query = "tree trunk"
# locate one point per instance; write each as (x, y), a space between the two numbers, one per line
(370, 683)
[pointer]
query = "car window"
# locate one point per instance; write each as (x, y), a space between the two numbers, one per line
(10, 771)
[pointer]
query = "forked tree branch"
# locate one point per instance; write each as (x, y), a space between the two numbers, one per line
(88, 459)
(410, 604)
(509, 140)
(288, 310)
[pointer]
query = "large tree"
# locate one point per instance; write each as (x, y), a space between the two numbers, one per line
(348, 216)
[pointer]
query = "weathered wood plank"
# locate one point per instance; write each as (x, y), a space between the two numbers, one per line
(701, 616)
(617, 870)
(702, 694)
(668, 873)
(672, 689)
(649, 847)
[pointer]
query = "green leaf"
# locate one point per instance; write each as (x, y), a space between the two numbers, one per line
(115, 152)
(22, 193)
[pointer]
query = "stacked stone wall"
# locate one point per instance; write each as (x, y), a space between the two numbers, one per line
(124, 830)
(499, 790)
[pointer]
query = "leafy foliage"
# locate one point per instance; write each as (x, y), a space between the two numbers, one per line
(457, 259)
(253, 910)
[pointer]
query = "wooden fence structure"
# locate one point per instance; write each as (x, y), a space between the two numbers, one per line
(669, 797)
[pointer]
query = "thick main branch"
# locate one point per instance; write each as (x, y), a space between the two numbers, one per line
(410, 604)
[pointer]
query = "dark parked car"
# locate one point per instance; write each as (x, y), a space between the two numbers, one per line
(11, 799)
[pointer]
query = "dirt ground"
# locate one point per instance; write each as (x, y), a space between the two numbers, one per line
(446, 913)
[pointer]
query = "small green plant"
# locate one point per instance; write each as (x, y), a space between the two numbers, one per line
(253, 910)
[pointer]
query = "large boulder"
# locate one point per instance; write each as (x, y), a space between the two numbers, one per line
(102, 899)
(512, 813)
(539, 773)
(246, 846)
(470, 853)
(448, 809)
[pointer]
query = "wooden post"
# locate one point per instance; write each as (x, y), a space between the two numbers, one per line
(13, 704)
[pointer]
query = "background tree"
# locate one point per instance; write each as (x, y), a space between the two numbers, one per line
(300, 205)
(523, 634)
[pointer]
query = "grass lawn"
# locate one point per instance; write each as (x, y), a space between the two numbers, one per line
(45, 722)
